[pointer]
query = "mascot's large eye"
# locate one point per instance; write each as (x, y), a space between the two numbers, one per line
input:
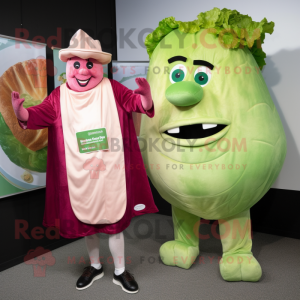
(202, 75)
(177, 73)
(89, 65)
(76, 65)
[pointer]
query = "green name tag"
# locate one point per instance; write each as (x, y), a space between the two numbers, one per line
(92, 140)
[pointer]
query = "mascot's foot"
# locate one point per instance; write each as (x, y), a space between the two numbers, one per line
(240, 267)
(175, 253)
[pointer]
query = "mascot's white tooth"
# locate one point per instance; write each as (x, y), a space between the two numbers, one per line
(174, 130)
(207, 126)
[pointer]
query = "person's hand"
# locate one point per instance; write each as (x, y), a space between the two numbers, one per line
(145, 92)
(17, 104)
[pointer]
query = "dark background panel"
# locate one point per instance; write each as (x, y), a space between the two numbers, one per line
(33, 20)
(19, 215)
(10, 17)
(277, 213)
(106, 26)
(55, 25)
(106, 29)
(66, 18)
(13, 209)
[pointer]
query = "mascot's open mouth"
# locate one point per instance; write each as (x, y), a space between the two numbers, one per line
(83, 83)
(195, 131)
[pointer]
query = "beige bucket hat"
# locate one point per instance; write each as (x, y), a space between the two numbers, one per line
(83, 46)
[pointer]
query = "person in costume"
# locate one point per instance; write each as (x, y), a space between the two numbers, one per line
(220, 141)
(95, 182)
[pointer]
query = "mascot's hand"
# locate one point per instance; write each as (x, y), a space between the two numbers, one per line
(17, 104)
(145, 92)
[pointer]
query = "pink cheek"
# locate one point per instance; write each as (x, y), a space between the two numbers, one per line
(73, 72)
(93, 72)
(96, 72)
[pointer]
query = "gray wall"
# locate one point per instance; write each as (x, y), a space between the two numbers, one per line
(282, 48)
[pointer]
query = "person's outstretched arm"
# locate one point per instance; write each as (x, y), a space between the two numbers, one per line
(35, 117)
(139, 100)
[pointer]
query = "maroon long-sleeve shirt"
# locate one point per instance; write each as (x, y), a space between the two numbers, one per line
(58, 210)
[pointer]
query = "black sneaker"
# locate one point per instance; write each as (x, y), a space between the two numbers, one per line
(87, 278)
(127, 282)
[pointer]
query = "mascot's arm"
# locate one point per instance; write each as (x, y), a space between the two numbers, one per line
(35, 117)
(145, 92)
(17, 104)
(139, 100)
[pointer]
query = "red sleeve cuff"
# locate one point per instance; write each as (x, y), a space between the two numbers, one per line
(23, 124)
(150, 112)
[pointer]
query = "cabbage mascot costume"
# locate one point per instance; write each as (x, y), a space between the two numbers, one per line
(216, 143)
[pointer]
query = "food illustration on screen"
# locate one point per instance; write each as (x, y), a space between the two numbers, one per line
(26, 149)
(62, 78)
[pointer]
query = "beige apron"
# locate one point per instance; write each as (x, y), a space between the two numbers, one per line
(97, 187)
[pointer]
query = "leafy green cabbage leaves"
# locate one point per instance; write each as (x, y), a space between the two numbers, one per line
(237, 31)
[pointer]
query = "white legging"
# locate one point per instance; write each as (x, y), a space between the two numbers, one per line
(116, 246)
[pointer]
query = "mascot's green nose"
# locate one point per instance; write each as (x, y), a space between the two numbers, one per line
(184, 93)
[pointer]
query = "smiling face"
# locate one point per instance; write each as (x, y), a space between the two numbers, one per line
(83, 74)
(216, 143)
